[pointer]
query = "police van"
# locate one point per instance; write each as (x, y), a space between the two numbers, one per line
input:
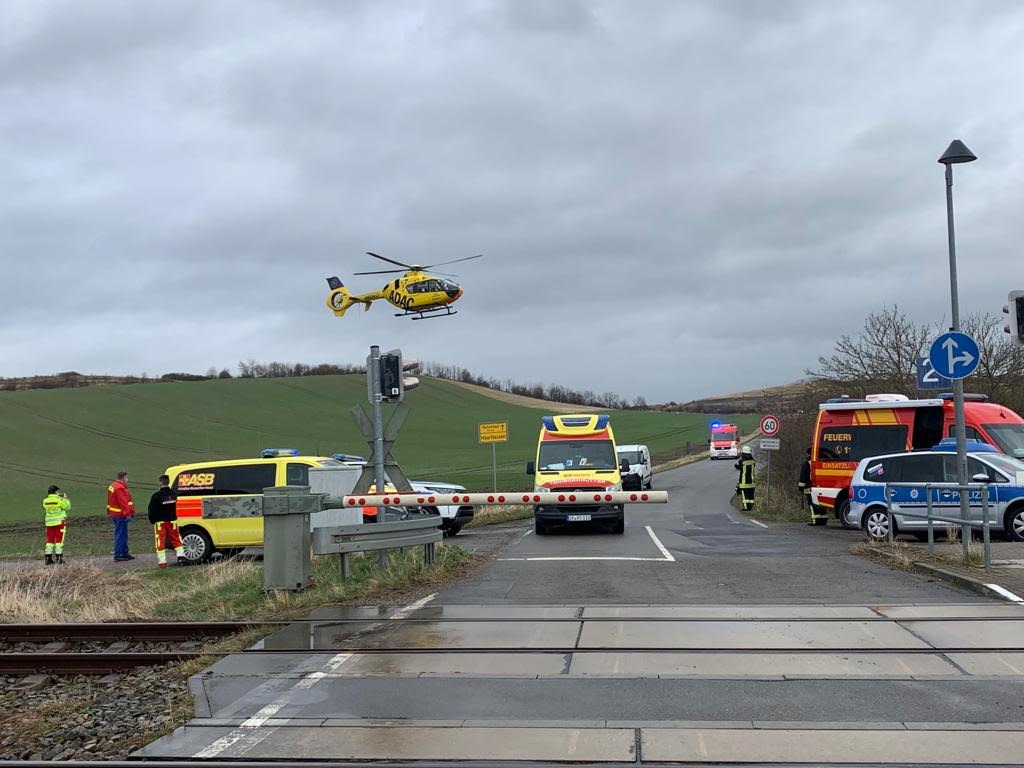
(1003, 474)
(202, 537)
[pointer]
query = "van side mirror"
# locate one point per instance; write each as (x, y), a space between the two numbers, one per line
(624, 465)
(530, 468)
(981, 477)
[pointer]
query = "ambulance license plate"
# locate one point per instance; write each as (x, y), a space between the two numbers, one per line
(577, 518)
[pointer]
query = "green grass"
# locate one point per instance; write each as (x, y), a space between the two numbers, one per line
(78, 438)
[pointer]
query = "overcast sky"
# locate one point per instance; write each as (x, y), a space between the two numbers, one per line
(675, 199)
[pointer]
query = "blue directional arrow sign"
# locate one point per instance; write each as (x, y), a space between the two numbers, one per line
(954, 355)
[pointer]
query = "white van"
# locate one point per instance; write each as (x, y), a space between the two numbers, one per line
(640, 475)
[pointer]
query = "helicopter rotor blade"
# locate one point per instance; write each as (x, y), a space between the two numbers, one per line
(389, 261)
(382, 272)
(453, 261)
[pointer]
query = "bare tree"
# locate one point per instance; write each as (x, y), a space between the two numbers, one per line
(881, 358)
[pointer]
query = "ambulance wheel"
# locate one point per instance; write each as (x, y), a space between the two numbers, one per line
(197, 544)
(539, 528)
(452, 530)
(619, 526)
(843, 514)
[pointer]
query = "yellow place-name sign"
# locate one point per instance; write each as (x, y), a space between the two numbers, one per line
(494, 432)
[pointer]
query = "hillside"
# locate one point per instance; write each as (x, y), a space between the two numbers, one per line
(78, 438)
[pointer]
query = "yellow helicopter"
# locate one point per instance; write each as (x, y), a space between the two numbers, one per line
(416, 293)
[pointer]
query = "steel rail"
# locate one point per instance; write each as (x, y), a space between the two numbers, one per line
(101, 663)
(415, 650)
(134, 630)
(384, 620)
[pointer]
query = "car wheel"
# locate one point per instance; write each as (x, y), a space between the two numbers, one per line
(843, 515)
(197, 545)
(453, 530)
(619, 526)
(876, 524)
(539, 528)
(1014, 523)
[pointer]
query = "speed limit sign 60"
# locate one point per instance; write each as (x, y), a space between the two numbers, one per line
(770, 426)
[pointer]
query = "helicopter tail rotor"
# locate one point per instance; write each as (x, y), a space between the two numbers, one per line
(339, 300)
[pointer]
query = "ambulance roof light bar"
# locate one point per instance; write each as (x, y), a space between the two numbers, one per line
(273, 453)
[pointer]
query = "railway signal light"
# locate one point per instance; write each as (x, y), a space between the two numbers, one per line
(1014, 307)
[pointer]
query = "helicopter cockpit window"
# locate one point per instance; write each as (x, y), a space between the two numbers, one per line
(421, 287)
(448, 285)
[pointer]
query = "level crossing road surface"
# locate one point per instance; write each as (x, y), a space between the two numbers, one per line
(699, 636)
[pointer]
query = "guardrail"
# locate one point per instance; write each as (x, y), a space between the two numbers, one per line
(344, 540)
(966, 524)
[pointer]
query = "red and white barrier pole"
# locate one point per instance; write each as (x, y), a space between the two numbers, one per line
(557, 498)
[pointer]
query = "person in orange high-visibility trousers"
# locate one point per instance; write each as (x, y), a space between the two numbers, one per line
(163, 514)
(55, 509)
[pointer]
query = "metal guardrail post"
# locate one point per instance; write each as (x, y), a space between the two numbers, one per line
(888, 512)
(985, 533)
(931, 527)
(965, 525)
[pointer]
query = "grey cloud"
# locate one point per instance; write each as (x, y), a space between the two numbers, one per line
(675, 199)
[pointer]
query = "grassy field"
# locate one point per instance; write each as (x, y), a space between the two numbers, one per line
(78, 438)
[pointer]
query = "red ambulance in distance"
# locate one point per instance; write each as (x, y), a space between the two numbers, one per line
(725, 441)
(847, 431)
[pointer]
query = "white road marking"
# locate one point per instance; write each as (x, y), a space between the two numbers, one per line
(1005, 593)
(402, 613)
(758, 522)
(659, 545)
(253, 730)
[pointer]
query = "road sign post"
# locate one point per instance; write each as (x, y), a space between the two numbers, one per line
(770, 426)
(494, 432)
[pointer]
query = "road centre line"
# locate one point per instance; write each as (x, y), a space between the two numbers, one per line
(1005, 593)
(250, 729)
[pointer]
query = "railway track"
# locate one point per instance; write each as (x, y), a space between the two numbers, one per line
(103, 648)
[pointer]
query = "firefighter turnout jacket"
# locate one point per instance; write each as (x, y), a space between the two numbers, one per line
(746, 467)
(55, 508)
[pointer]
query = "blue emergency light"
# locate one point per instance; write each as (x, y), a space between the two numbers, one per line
(973, 445)
(273, 453)
(716, 424)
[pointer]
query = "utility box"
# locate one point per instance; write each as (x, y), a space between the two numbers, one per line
(286, 514)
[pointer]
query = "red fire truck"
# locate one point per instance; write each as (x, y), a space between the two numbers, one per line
(849, 430)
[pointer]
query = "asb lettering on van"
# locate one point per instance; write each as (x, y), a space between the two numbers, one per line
(576, 454)
(849, 430)
(202, 537)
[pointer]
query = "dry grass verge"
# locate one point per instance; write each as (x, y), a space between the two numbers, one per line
(495, 515)
(226, 590)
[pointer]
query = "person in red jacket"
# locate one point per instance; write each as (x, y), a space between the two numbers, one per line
(120, 509)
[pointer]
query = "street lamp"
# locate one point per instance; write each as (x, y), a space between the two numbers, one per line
(957, 152)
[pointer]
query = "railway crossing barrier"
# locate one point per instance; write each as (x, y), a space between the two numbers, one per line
(287, 509)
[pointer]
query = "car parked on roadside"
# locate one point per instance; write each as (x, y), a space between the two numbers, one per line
(1003, 474)
(640, 474)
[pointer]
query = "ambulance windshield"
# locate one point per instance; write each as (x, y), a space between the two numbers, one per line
(576, 454)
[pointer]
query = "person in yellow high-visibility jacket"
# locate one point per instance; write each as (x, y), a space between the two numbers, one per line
(55, 511)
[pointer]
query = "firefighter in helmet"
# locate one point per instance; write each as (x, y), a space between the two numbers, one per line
(745, 486)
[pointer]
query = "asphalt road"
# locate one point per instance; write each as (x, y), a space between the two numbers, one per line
(698, 636)
(720, 556)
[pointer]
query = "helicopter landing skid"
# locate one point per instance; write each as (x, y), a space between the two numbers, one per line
(427, 314)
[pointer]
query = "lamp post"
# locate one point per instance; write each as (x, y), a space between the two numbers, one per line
(957, 152)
